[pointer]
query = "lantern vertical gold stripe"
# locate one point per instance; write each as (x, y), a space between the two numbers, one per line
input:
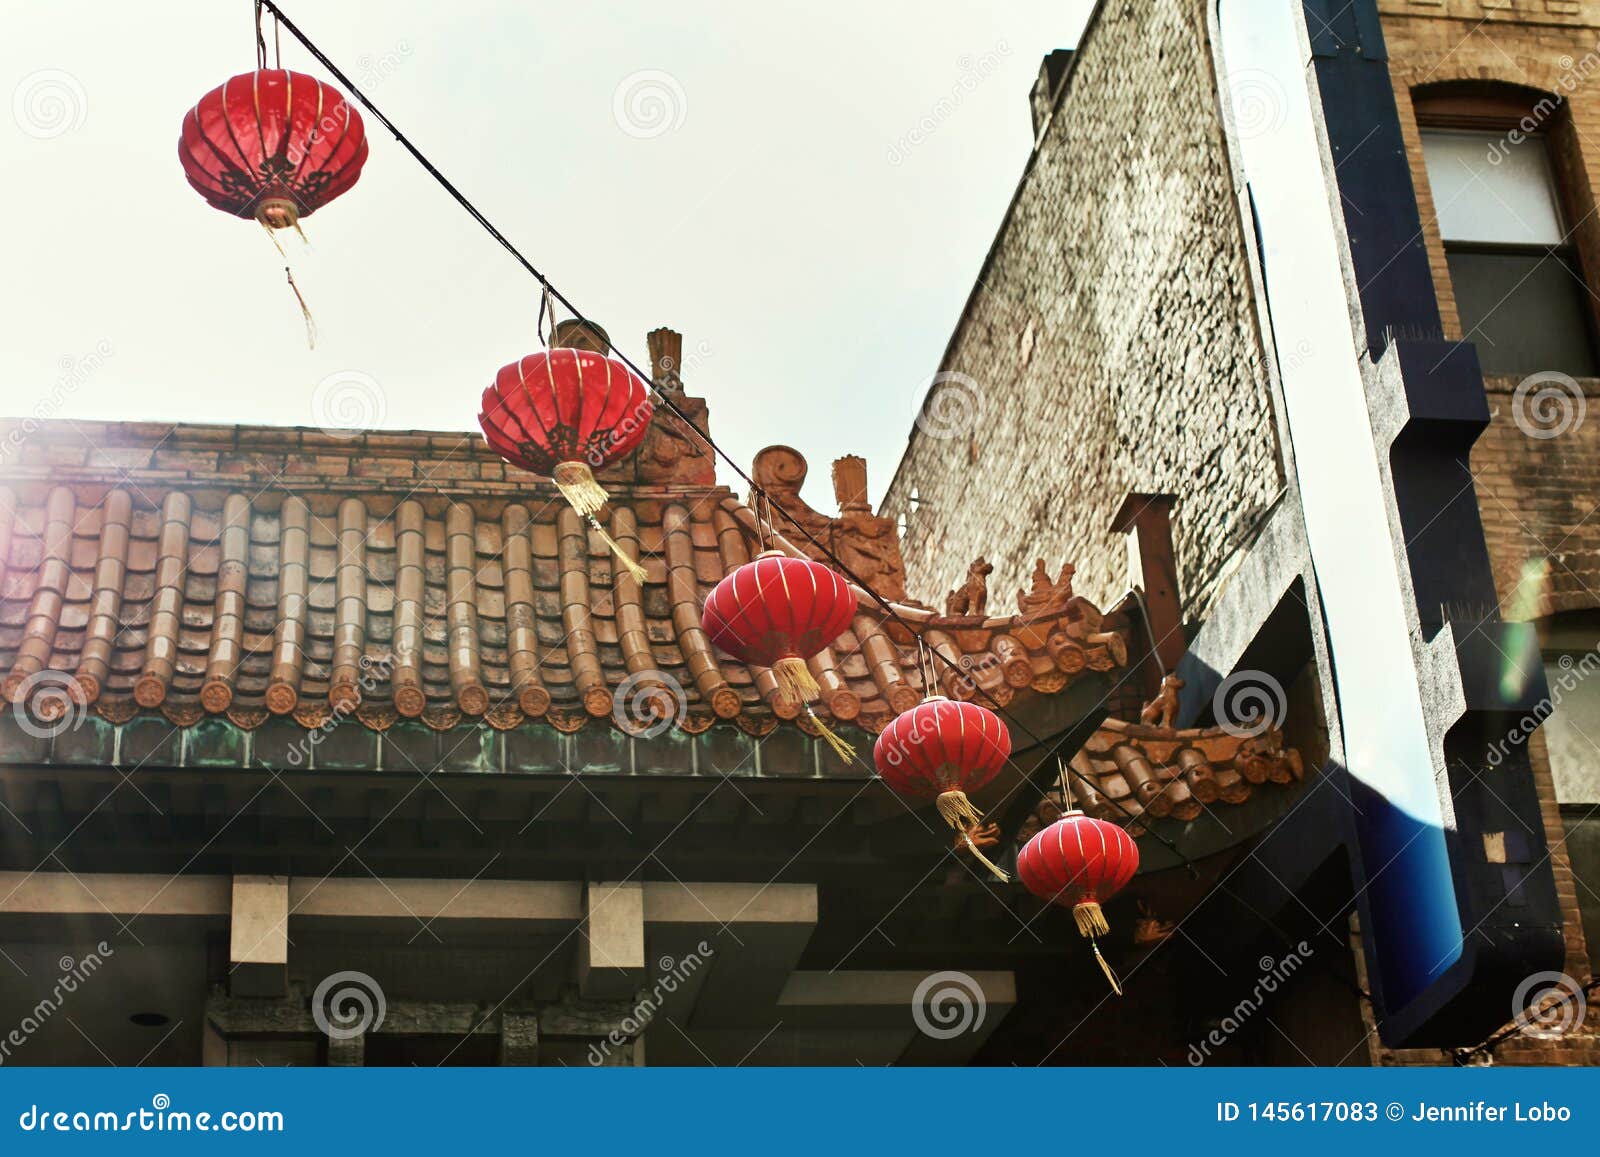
(522, 637)
(227, 615)
(350, 607)
(289, 639)
(172, 564)
(578, 620)
(409, 698)
(461, 609)
(44, 609)
(105, 602)
(735, 549)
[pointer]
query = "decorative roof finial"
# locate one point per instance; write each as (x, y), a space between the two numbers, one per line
(666, 358)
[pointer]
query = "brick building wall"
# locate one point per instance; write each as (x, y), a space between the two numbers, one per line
(1538, 495)
(1109, 343)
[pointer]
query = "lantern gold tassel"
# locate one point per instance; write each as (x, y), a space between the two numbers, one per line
(983, 859)
(795, 682)
(272, 237)
(957, 810)
(305, 310)
(577, 485)
(1091, 921)
(636, 570)
(267, 220)
(1116, 985)
(840, 748)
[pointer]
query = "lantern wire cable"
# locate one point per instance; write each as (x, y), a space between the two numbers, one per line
(552, 292)
(261, 40)
(762, 497)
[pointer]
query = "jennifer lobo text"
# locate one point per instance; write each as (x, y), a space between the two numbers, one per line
(1482, 1111)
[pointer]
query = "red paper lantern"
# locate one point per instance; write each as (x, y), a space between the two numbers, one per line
(1077, 862)
(564, 413)
(272, 145)
(942, 750)
(777, 612)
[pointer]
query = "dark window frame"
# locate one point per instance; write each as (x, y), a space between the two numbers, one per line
(1500, 107)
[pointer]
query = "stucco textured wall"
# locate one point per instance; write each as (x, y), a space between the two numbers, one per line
(1109, 343)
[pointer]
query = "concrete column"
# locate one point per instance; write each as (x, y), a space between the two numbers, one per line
(721, 953)
(258, 939)
(611, 959)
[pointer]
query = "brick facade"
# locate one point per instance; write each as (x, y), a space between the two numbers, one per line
(1109, 342)
(1537, 495)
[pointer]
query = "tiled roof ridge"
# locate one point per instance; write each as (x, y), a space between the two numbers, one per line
(154, 434)
(202, 601)
(147, 455)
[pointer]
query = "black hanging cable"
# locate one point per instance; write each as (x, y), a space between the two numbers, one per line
(555, 293)
(489, 227)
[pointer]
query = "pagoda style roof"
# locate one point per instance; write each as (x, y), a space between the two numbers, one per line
(251, 573)
(179, 597)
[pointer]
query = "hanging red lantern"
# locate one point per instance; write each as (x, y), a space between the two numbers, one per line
(272, 145)
(777, 612)
(275, 146)
(1077, 862)
(943, 750)
(564, 413)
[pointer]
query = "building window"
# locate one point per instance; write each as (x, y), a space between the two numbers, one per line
(1572, 737)
(1519, 288)
(1572, 731)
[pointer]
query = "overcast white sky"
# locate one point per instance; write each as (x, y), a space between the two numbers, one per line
(781, 215)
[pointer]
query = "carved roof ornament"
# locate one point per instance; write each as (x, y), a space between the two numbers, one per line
(868, 545)
(1044, 595)
(666, 359)
(781, 471)
(1162, 711)
(972, 596)
(672, 453)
